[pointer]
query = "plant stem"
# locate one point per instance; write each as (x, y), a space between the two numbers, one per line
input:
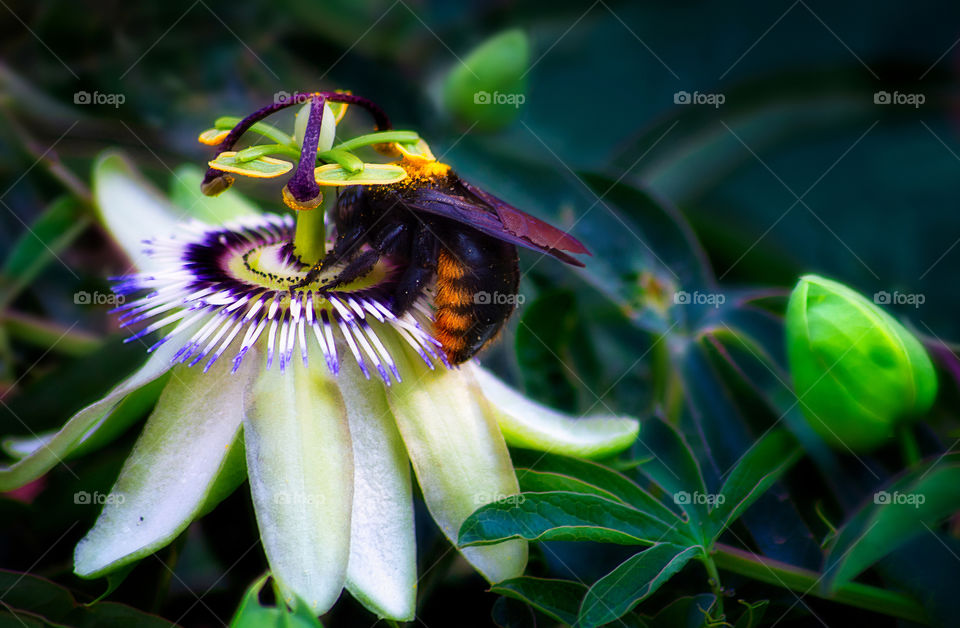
(807, 583)
(667, 385)
(908, 446)
(715, 585)
(49, 335)
(310, 238)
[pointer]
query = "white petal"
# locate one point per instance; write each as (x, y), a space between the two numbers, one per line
(300, 464)
(382, 573)
(82, 425)
(526, 423)
(130, 208)
(458, 454)
(169, 475)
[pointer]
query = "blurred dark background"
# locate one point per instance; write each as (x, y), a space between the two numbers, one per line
(803, 167)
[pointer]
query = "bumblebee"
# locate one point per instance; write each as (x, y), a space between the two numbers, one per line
(443, 230)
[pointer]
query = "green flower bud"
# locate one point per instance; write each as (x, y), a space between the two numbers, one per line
(488, 88)
(857, 371)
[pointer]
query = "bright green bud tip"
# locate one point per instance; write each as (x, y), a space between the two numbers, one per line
(856, 370)
(488, 88)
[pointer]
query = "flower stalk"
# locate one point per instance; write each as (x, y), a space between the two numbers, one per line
(714, 576)
(806, 582)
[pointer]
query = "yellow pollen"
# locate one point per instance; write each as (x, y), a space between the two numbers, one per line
(419, 170)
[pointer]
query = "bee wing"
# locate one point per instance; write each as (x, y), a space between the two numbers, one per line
(487, 221)
(524, 225)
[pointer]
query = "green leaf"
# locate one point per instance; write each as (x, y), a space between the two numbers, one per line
(510, 613)
(252, 614)
(645, 253)
(761, 466)
(35, 601)
(564, 516)
(558, 599)
(752, 613)
(636, 579)
(687, 612)
(542, 344)
(259, 168)
(909, 507)
(550, 472)
(56, 228)
(372, 174)
(672, 466)
(114, 580)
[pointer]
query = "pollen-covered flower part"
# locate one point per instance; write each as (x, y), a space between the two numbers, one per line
(219, 290)
(319, 162)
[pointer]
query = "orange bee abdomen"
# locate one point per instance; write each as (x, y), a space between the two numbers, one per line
(477, 280)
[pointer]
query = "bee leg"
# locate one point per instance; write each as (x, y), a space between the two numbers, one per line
(386, 242)
(422, 266)
(346, 244)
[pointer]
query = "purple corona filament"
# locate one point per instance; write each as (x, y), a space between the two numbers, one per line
(208, 311)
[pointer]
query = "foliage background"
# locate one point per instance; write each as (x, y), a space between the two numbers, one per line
(798, 171)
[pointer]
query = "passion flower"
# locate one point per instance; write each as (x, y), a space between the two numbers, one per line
(322, 399)
(856, 370)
